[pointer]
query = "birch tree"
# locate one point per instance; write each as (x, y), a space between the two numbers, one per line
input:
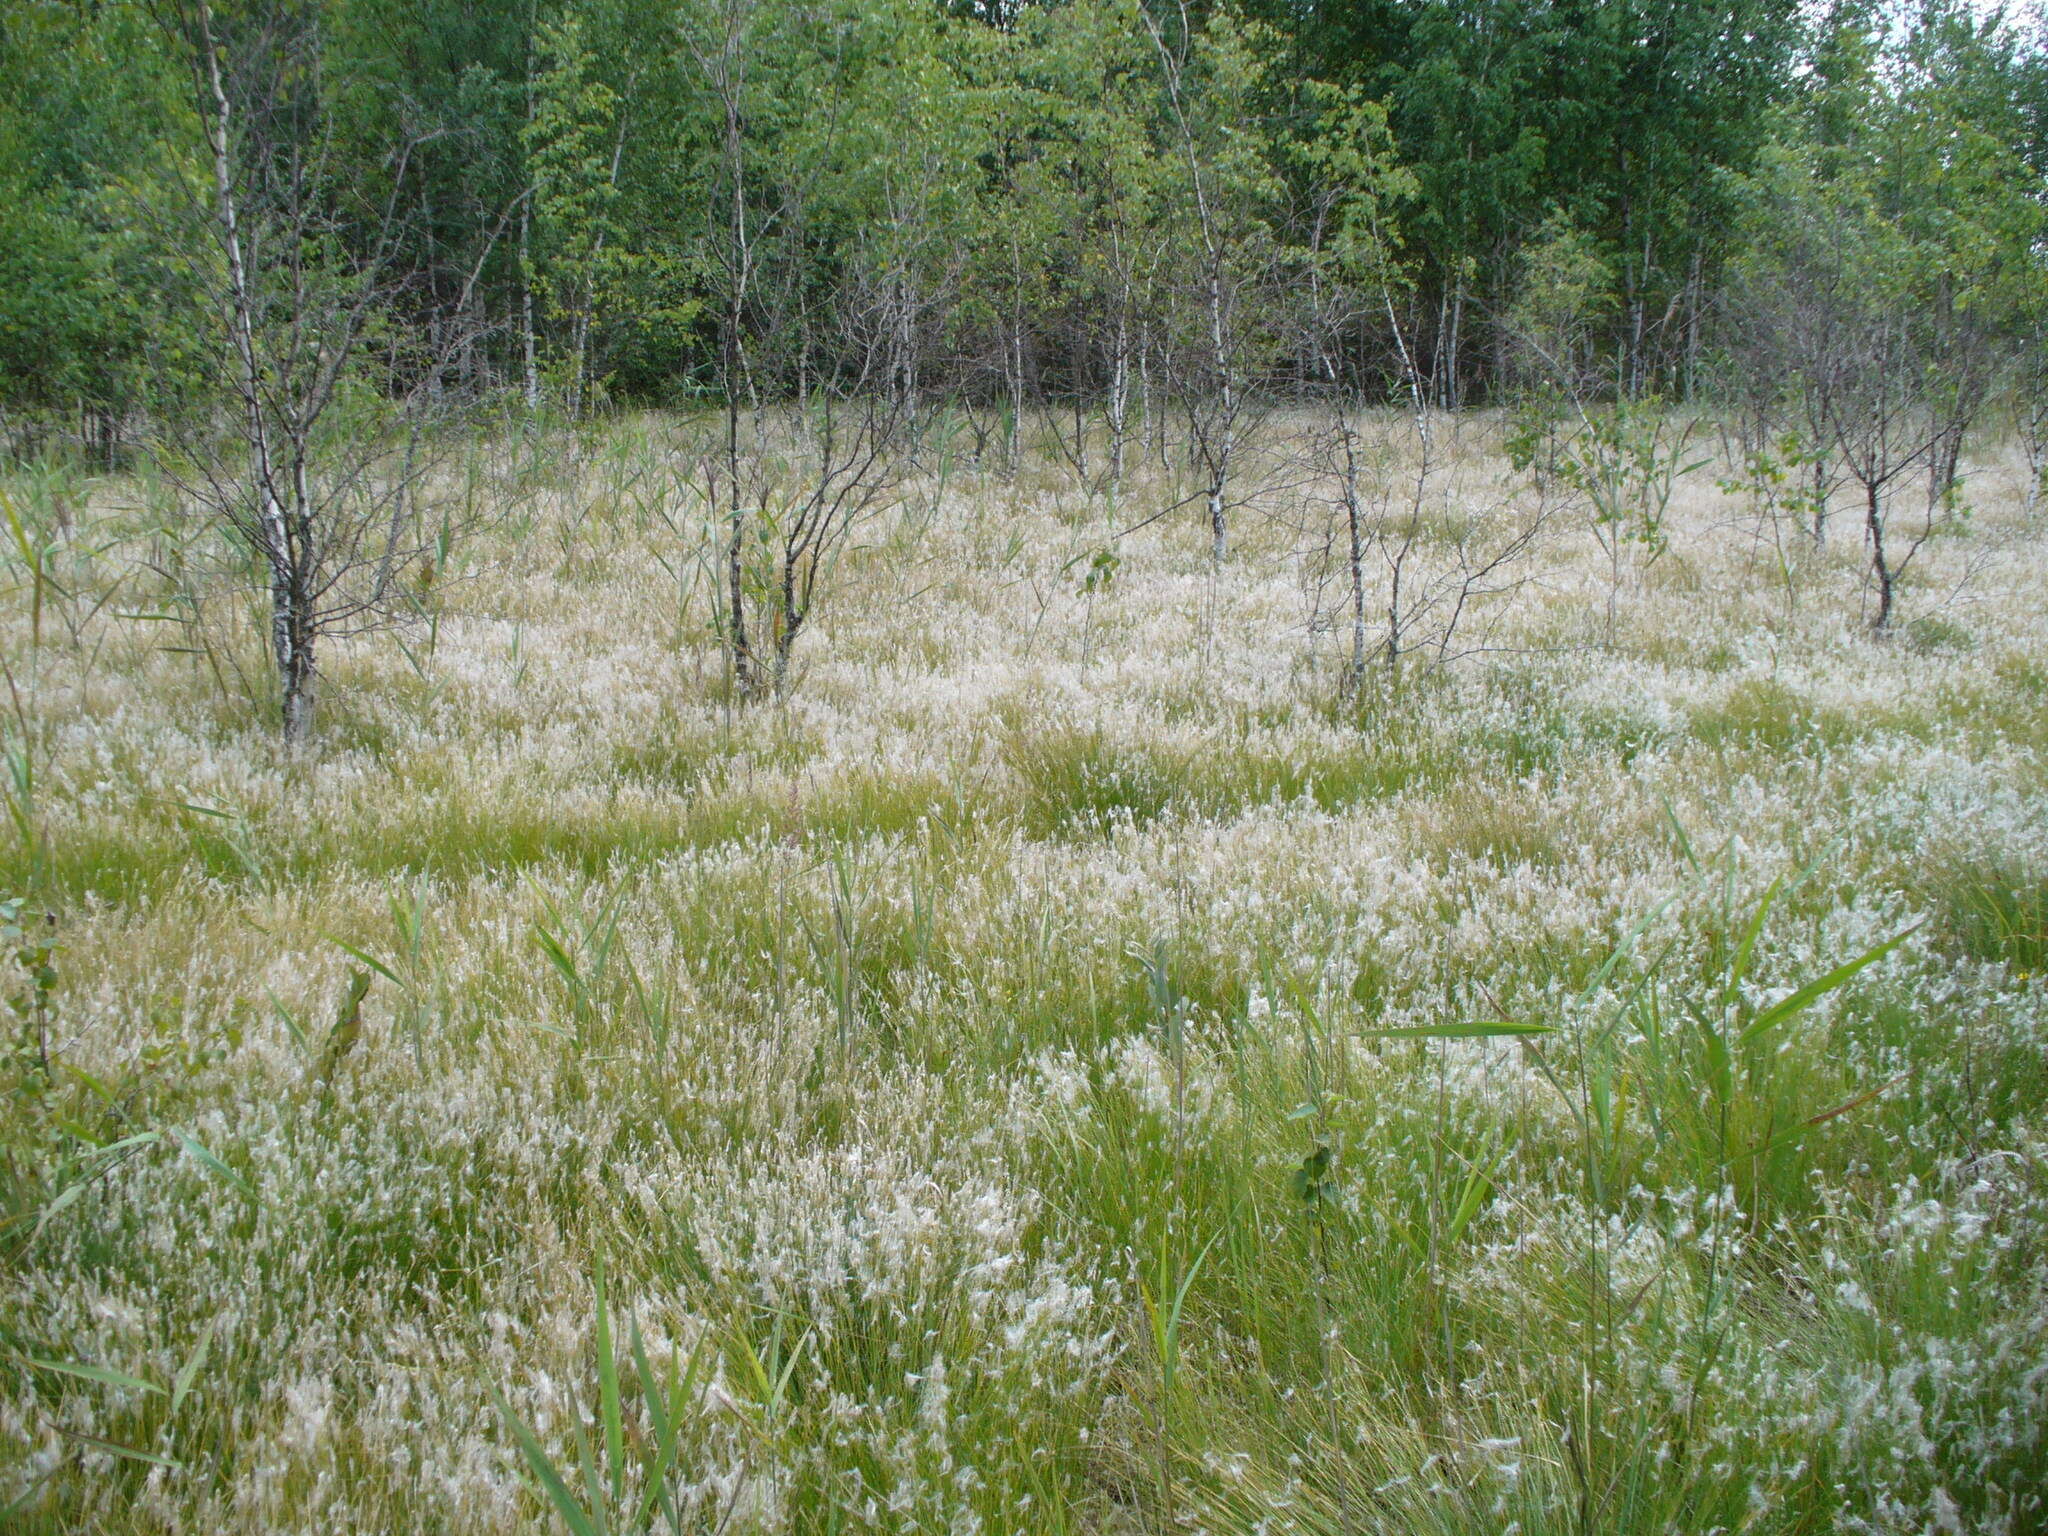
(1350, 266)
(1213, 80)
(320, 477)
(814, 405)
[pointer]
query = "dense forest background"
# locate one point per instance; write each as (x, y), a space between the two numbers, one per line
(797, 767)
(659, 201)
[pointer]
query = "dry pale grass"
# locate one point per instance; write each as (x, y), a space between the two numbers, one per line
(970, 1074)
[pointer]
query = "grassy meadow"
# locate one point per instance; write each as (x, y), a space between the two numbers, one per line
(1070, 1065)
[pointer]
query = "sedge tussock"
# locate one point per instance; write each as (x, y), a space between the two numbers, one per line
(1060, 980)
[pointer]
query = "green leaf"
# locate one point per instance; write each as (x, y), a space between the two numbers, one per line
(1798, 1132)
(1477, 1183)
(559, 958)
(593, 1485)
(1813, 991)
(1166, 1329)
(1312, 1183)
(27, 1496)
(72, 1192)
(181, 1387)
(608, 1391)
(65, 1198)
(286, 1018)
(668, 1420)
(1678, 828)
(650, 1386)
(368, 959)
(128, 1144)
(348, 1025)
(103, 1089)
(104, 1375)
(1739, 966)
(1720, 1065)
(213, 1164)
(1621, 951)
(115, 1448)
(1478, 1029)
(573, 1514)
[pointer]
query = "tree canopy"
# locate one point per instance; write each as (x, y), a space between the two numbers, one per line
(1041, 189)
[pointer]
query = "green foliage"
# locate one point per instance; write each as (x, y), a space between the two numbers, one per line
(596, 1503)
(1995, 910)
(30, 951)
(1563, 304)
(1022, 1084)
(1573, 186)
(94, 309)
(1625, 459)
(1350, 154)
(40, 1172)
(1778, 478)
(573, 142)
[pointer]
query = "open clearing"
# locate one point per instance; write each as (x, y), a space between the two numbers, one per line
(971, 1090)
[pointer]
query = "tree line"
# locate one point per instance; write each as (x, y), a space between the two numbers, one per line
(284, 242)
(1036, 200)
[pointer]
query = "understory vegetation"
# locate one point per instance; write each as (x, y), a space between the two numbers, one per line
(1057, 767)
(1082, 1056)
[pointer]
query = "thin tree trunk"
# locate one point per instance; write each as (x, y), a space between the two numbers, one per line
(296, 670)
(1119, 401)
(291, 631)
(733, 366)
(791, 621)
(1873, 522)
(1148, 408)
(1452, 396)
(526, 303)
(579, 341)
(1692, 327)
(1942, 464)
(1013, 362)
(1219, 480)
(735, 557)
(1356, 558)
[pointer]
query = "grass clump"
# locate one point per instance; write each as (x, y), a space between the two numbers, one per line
(1066, 1066)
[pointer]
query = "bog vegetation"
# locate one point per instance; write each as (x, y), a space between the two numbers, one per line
(852, 765)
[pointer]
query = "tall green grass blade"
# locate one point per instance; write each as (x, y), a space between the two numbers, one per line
(211, 1163)
(559, 957)
(593, 1475)
(543, 1469)
(105, 1375)
(1166, 1326)
(1813, 991)
(608, 1390)
(1629, 940)
(1812, 1122)
(290, 1021)
(666, 1410)
(643, 1371)
(65, 1198)
(1477, 1029)
(348, 1026)
(1738, 967)
(368, 959)
(1477, 1184)
(115, 1448)
(181, 1385)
